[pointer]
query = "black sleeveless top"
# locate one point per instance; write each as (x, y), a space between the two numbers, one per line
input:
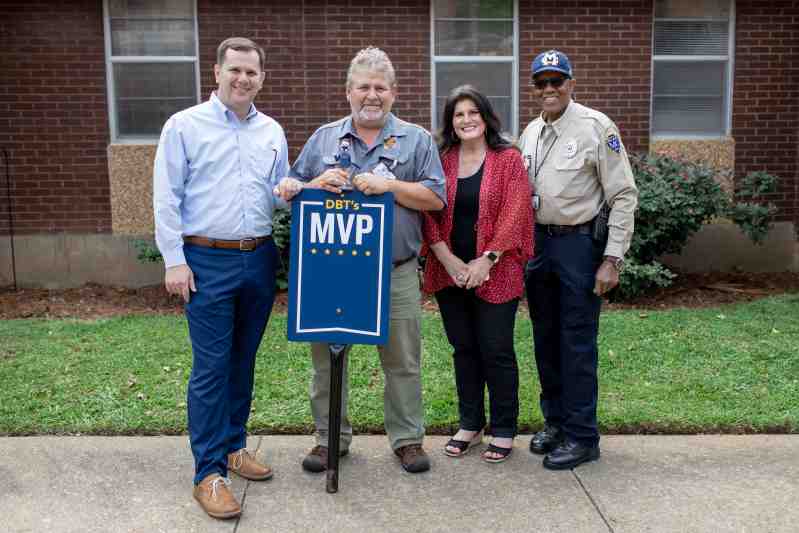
(464, 222)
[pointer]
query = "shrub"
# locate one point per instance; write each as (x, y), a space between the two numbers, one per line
(675, 199)
(637, 279)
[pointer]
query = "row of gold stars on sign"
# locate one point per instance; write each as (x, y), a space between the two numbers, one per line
(328, 251)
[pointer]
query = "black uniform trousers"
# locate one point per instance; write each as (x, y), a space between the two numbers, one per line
(565, 315)
(481, 335)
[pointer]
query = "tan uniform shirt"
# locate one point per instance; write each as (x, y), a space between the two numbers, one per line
(580, 162)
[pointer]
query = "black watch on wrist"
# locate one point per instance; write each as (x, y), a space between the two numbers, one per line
(492, 256)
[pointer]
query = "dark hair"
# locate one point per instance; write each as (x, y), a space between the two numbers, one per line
(447, 138)
(239, 44)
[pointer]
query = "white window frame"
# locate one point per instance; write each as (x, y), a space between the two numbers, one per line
(111, 60)
(729, 70)
(513, 60)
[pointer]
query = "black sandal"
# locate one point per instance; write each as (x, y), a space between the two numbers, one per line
(463, 446)
(503, 453)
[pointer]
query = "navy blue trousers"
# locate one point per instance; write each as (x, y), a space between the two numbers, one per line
(565, 315)
(227, 317)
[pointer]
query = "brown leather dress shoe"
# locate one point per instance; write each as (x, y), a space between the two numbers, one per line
(247, 466)
(215, 498)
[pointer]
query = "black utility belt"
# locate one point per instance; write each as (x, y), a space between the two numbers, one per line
(555, 229)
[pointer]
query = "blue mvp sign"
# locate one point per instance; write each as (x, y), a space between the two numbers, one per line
(340, 273)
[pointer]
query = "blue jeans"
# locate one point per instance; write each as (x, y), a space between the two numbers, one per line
(565, 315)
(227, 317)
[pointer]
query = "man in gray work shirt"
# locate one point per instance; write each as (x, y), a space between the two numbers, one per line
(386, 154)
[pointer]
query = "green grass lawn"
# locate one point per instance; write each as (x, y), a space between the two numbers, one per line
(729, 369)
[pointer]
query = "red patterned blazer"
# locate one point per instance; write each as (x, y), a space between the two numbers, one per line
(504, 223)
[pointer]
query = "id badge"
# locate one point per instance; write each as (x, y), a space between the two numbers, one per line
(536, 202)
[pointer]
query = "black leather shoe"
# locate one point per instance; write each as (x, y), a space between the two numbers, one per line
(546, 440)
(569, 455)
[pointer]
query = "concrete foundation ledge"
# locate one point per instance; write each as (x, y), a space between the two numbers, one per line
(722, 247)
(65, 260)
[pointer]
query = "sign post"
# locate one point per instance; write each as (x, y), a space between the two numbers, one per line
(339, 283)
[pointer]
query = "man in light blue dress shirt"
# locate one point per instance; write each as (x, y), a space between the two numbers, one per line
(215, 170)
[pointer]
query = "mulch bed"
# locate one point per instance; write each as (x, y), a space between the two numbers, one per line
(96, 301)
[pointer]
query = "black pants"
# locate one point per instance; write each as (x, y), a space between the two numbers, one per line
(481, 334)
(565, 315)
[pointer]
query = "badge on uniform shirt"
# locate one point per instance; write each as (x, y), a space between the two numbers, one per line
(389, 143)
(614, 143)
(571, 148)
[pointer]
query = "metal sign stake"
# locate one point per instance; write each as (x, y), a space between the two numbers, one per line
(334, 429)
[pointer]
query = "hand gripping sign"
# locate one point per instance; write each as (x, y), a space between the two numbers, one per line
(339, 282)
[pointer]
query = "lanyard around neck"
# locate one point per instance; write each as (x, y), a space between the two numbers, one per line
(536, 166)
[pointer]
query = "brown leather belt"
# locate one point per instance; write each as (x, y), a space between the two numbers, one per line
(554, 229)
(245, 245)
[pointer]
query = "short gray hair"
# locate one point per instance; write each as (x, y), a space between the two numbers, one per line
(372, 59)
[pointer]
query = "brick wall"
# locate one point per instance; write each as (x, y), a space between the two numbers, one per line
(309, 46)
(766, 96)
(610, 46)
(53, 110)
(53, 116)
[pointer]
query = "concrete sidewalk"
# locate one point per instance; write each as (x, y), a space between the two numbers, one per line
(641, 483)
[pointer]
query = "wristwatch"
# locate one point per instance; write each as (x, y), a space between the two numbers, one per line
(492, 256)
(617, 262)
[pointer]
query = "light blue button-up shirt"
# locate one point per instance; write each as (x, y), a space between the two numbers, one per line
(214, 176)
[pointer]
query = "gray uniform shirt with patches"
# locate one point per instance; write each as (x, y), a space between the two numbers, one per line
(581, 162)
(406, 149)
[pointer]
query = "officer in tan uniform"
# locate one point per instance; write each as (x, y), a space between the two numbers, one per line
(576, 163)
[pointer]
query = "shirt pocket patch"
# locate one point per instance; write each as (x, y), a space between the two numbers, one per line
(572, 177)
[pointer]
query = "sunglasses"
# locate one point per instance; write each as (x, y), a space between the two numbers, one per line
(556, 83)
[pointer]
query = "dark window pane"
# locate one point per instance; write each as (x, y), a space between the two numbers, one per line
(696, 38)
(692, 9)
(472, 9)
(136, 37)
(689, 98)
(474, 38)
(150, 9)
(495, 80)
(147, 94)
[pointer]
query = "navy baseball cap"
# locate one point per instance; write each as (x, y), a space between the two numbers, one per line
(552, 61)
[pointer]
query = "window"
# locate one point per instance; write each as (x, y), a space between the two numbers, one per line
(151, 63)
(692, 68)
(476, 42)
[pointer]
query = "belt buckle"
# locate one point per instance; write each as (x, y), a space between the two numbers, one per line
(249, 246)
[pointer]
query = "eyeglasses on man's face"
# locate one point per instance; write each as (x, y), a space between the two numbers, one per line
(556, 82)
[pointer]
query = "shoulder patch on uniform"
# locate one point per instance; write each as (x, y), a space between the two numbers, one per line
(614, 143)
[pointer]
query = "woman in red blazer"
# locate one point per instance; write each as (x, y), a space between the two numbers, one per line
(480, 243)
